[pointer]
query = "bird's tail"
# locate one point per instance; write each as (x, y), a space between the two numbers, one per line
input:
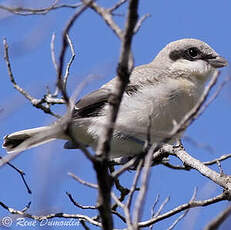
(29, 138)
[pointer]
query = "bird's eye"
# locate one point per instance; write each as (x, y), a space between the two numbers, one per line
(193, 52)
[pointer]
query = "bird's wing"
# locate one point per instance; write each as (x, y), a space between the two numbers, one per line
(91, 104)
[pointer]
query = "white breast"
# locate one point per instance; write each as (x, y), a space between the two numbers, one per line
(164, 103)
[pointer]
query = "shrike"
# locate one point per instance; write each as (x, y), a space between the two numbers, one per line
(160, 93)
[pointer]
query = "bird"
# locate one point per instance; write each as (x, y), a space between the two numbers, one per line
(159, 94)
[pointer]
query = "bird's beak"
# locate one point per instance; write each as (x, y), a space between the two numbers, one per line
(218, 62)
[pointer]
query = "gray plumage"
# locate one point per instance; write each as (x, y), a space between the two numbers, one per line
(164, 91)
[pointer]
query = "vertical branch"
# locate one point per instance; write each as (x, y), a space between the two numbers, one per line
(60, 81)
(123, 72)
(144, 184)
(105, 181)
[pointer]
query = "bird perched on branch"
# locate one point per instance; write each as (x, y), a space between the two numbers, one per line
(159, 94)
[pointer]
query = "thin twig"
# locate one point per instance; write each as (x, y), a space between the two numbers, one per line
(144, 184)
(107, 17)
(35, 102)
(42, 11)
(222, 180)
(84, 225)
(123, 71)
(180, 208)
(134, 184)
(91, 185)
(115, 198)
(220, 168)
(162, 206)
(140, 22)
(125, 167)
(26, 207)
(92, 207)
(22, 174)
(215, 95)
(105, 181)
(12, 79)
(186, 167)
(117, 5)
(130, 196)
(184, 213)
(222, 158)
(123, 191)
(79, 205)
(50, 216)
(178, 167)
(53, 58)
(60, 81)
(65, 78)
(153, 209)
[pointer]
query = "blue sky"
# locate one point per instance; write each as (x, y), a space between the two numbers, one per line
(97, 52)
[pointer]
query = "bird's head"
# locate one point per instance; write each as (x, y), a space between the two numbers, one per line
(189, 58)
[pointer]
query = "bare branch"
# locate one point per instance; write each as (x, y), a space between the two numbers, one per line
(117, 5)
(18, 88)
(22, 174)
(125, 167)
(184, 213)
(42, 11)
(60, 81)
(220, 168)
(123, 71)
(144, 184)
(92, 207)
(127, 206)
(154, 205)
(222, 180)
(214, 96)
(35, 102)
(192, 204)
(91, 185)
(79, 205)
(153, 209)
(105, 180)
(70, 62)
(26, 207)
(134, 184)
(162, 206)
(186, 167)
(53, 52)
(107, 17)
(84, 225)
(140, 23)
(123, 191)
(13, 211)
(115, 198)
(49, 216)
(178, 167)
(222, 158)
